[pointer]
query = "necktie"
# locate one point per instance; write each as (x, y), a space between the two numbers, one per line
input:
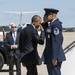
(14, 37)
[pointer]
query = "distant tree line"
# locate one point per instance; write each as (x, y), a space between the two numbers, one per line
(6, 28)
(69, 29)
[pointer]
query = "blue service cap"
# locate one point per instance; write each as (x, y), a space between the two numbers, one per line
(50, 11)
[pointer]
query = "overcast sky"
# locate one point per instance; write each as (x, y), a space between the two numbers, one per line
(66, 8)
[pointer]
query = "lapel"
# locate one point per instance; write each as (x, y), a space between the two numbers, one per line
(11, 37)
(17, 35)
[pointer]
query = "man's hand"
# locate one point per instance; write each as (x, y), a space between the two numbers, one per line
(41, 28)
(54, 62)
(14, 46)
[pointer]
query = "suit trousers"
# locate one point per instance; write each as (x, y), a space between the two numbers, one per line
(13, 60)
(31, 69)
(54, 70)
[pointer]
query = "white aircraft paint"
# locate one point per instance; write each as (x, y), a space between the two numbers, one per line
(1, 33)
(68, 66)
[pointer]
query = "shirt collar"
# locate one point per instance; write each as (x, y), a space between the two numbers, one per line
(48, 23)
(14, 32)
(54, 19)
(33, 26)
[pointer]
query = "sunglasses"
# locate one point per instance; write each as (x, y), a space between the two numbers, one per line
(13, 27)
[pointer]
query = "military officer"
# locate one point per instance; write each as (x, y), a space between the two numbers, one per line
(53, 52)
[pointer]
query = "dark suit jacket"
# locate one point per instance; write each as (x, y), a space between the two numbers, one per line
(9, 41)
(28, 44)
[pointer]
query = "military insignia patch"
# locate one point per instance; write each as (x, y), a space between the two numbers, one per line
(56, 31)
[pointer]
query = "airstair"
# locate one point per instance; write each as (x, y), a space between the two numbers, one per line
(68, 66)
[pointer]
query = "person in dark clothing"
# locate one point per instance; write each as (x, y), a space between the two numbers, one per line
(45, 22)
(53, 52)
(29, 39)
(12, 44)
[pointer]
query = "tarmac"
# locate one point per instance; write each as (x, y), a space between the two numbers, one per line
(42, 70)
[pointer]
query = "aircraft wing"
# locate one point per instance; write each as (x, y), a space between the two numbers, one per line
(13, 12)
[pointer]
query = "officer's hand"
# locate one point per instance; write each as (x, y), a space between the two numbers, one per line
(41, 28)
(54, 62)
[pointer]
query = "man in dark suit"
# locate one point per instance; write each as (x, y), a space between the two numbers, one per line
(12, 44)
(29, 39)
(53, 53)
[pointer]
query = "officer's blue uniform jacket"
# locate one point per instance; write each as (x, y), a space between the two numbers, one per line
(54, 40)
